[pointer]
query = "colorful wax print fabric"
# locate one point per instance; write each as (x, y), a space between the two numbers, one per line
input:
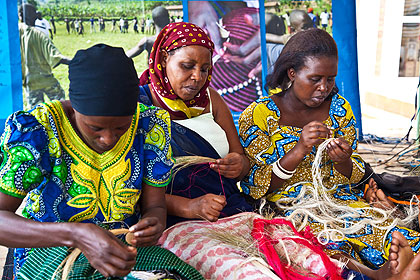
(265, 141)
(64, 180)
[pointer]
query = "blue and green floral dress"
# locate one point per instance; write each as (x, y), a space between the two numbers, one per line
(64, 180)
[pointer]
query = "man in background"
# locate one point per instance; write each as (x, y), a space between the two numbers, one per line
(43, 25)
(160, 17)
(92, 25)
(38, 56)
(52, 20)
(325, 16)
(312, 16)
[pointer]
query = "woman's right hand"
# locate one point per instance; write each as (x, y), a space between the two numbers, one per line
(105, 252)
(206, 207)
(230, 166)
(314, 133)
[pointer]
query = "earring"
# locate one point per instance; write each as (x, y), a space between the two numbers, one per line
(289, 84)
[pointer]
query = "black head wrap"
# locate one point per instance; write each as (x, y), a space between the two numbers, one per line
(103, 82)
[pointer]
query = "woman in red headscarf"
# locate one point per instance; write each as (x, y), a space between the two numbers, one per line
(177, 80)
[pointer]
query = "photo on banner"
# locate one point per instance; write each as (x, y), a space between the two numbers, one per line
(234, 27)
(410, 52)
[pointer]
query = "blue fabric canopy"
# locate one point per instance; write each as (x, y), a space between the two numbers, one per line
(10, 66)
(345, 35)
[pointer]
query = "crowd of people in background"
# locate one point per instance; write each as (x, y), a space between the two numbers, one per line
(322, 20)
(123, 24)
(146, 25)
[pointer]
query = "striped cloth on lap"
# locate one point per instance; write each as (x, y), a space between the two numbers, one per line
(42, 262)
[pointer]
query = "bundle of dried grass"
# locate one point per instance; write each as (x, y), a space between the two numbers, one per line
(185, 161)
(292, 253)
(243, 242)
(144, 275)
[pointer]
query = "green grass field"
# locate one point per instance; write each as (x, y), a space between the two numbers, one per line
(69, 44)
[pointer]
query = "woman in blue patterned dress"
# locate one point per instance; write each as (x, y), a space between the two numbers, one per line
(93, 163)
(281, 134)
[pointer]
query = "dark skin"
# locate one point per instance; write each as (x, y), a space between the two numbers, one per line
(411, 271)
(138, 49)
(401, 262)
(187, 71)
(104, 251)
(205, 16)
(306, 105)
(39, 16)
(28, 15)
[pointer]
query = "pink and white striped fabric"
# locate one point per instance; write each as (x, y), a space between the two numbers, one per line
(195, 243)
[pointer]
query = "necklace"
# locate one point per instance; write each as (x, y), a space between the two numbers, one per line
(238, 87)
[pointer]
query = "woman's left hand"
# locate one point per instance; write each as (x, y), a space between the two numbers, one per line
(339, 150)
(146, 232)
(230, 166)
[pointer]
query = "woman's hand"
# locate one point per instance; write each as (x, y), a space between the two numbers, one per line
(339, 150)
(230, 166)
(105, 252)
(204, 15)
(206, 207)
(314, 133)
(146, 232)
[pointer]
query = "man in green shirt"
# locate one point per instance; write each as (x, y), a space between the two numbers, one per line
(39, 56)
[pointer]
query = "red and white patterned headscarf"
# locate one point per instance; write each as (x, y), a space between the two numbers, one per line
(174, 36)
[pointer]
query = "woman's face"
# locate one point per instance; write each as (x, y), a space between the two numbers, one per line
(101, 133)
(187, 70)
(313, 83)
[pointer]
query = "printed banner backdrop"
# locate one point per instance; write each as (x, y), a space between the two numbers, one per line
(243, 57)
(10, 68)
(249, 36)
(234, 27)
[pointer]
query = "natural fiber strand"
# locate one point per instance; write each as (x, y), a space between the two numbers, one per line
(144, 275)
(185, 161)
